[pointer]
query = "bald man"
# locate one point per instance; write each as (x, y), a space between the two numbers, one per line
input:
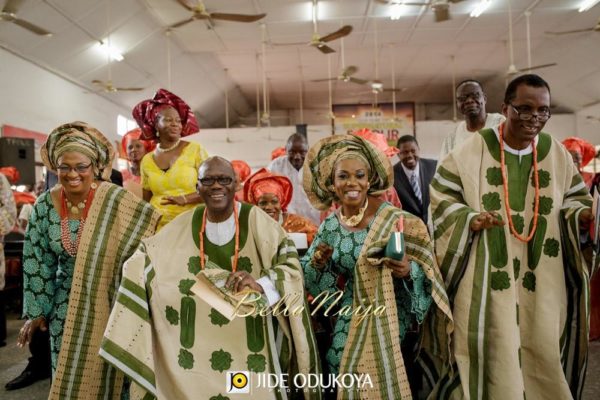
(197, 344)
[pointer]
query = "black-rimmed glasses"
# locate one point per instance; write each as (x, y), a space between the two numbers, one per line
(527, 115)
(222, 180)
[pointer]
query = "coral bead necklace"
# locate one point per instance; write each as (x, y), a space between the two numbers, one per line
(65, 233)
(536, 181)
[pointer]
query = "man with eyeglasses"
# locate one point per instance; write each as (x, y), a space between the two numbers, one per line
(171, 341)
(470, 101)
(508, 207)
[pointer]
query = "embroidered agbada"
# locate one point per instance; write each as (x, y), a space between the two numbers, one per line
(175, 345)
(462, 133)
(520, 310)
(8, 216)
(116, 222)
(373, 345)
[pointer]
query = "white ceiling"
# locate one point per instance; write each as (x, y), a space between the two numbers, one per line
(421, 50)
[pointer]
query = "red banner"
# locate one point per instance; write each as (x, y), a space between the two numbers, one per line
(13, 131)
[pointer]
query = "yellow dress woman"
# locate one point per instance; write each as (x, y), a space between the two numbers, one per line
(169, 174)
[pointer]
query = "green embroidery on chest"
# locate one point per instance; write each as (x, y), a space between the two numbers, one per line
(529, 281)
(219, 397)
(244, 264)
(254, 333)
(185, 285)
(185, 359)
(516, 267)
(172, 315)
(543, 177)
(491, 201)
(220, 360)
(494, 176)
(497, 246)
(534, 247)
(518, 222)
(551, 247)
(194, 266)
(545, 205)
(518, 172)
(256, 362)
(216, 318)
(500, 280)
(188, 322)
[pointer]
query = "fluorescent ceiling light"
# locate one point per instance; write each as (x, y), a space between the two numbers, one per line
(110, 51)
(377, 85)
(397, 10)
(481, 7)
(587, 4)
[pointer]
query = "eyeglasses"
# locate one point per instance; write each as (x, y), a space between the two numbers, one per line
(527, 115)
(80, 169)
(475, 96)
(222, 180)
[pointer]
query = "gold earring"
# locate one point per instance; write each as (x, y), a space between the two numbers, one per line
(157, 134)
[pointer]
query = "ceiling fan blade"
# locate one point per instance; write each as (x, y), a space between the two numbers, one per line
(569, 32)
(537, 67)
(323, 48)
(398, 90)
(132, 89)
(188, 4)
(237, 17)
(350, 70)
(358, 81)
(98, 82)
(181, 23)
(12, 6)
(323, 80)
(31, 27)
(455, 1)
(289, 44)
(340, 33)
(442, 13)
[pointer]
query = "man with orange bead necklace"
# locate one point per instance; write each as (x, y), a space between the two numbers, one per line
(507, 243)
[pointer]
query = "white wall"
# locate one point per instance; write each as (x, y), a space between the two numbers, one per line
(33, 98)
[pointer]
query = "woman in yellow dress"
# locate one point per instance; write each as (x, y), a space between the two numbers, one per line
(169, 174)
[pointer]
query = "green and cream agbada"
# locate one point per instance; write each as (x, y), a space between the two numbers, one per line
(174, 345)
(520, 309)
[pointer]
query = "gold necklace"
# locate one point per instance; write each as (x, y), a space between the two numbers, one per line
(161, 150)
(355, 219)
(75, 208)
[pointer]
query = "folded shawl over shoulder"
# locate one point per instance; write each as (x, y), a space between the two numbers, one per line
(117, 221)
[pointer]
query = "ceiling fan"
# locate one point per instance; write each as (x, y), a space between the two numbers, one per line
(108, 87)
(9, 14)
(345, 76)
(593, 29)
(199, 12)
(320, 42)
(512, 69)
(441, 8)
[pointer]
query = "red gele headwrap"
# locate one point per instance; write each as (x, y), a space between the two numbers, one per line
(135, 134)
(23, 198)
(262, 182)
(378, 140)
(242, 169)
(586, 149)
(278, 152)
(11, 173)
(145, 114)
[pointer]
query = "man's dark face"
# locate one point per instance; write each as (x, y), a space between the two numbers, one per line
(409, 155)
(297, 153)
(528, 100)
(216, 185)
(470, 99)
